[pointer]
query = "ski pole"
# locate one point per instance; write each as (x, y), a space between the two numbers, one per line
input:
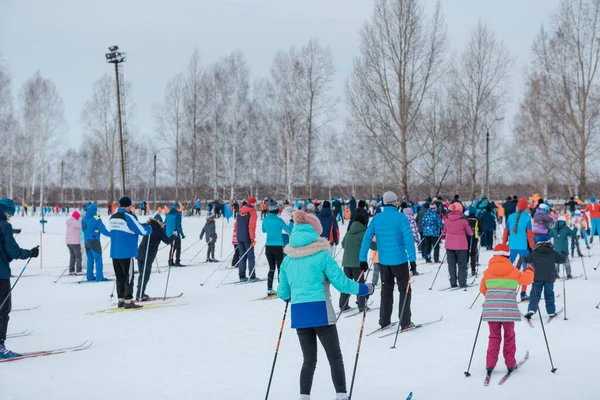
(583, 265)
(218, 266)
(472, 304)
(167, 284)
(596, 267)
(402, 311)
(112, 294)
(598, 306)
(61, 275)
(253, 268)
(360, 336)
(15, 284)
(287, 303)
(236, 264)
(467, 373)
(539, 298)
(438, 271)
(157, 267)
(190, 246)
(199, 251)
(565, 299)
(142, 281)
(348, 298)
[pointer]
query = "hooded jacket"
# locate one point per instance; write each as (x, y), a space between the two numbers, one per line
(331, 231)
(413, 224)
(93, 227)
(488, 220)
(246, 224)
(209, 230)
(272, 225)
(544, 259)
(305, 279)
(457, 229)
(395, 242)
(498, 285)
(9, 249)
(356, 212)
(173, 223)
(432, 224)
(520, 238)
(561, 234)
(541, 222)
(351, 245)
(73, 231)
(124, 231)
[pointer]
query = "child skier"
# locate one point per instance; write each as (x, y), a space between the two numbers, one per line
(544, 259)
(580, 224)
(474, 239)
(350, 262)
(415, 231)
(272, 225)
(500, 310)
(560, 234)
(210, 231)
(92, 227)
(306, 273)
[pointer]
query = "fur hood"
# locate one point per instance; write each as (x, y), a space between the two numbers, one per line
(321, 244)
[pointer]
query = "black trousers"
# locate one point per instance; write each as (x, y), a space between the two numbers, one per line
(175, 253)
(353, 273)
(275, 258)
(428, 243)
(328, 337)
(390, 276)
(236, 256)
(144, 278)
(210, 252)
(5, 310)
(124, 280)
(474, 253)
(457, 258)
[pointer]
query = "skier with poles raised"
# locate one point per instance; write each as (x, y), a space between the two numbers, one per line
(9, 250)
(93, 227)
(397, 255)
(499, 283)
(124, 231)
(147, 253)
(306, 273)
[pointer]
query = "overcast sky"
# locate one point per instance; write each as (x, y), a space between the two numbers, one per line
(67, 39)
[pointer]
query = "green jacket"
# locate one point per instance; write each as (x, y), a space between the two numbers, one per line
(561, 234)
(351, 245)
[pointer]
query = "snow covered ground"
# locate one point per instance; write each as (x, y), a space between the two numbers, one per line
(220, 345)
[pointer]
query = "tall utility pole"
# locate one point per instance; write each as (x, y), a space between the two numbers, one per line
(62, 182)
(115, 57)
(487, 156)
(155, 182)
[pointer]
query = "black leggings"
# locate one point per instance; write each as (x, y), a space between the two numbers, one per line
(275, 258)
(329, 339)
(124, 276)
(5, 311)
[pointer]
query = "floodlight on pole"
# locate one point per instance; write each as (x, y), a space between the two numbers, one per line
(115, 57)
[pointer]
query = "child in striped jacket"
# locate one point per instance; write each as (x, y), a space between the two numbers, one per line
(500, 310)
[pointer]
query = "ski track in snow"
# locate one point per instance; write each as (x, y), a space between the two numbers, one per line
(221, 345)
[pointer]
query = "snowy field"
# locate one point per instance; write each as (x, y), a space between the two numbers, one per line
(220, 344)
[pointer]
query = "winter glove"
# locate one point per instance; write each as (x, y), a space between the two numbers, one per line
(587, 232)
(371, 288)
(16, 231)
(210, 240)
(253, 243)
(364, 266)
(35, 252)
(530, 268)
(183, 237)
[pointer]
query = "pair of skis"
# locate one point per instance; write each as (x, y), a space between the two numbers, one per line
(488, 376)
(26, 332)
(145, 307)
(393, 324)
(550, 319)
(83, 346)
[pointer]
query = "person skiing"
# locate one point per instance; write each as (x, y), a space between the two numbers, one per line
(593, 211)
(397, 255)
(245, 228)
(124, 231)
(415, 231)
(198, 207)
(331, 231)
(273, 225)
(432, 226)
(488, 226)
(151, 248)
(350, 261)
(173, 224)
(93, 227)
(338, 210)
(352, 204)
(306, 274)
(210, 231)
(541, 221)
(579, 223)
(457, 230)
(543, 259)
(9, 250)
(475, 226)
(560, 235)
(500, 309)
(519, 236)
(74, 242)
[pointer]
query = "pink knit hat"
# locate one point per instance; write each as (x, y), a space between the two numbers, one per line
(76, 214)
(455, 207)
(301, 217)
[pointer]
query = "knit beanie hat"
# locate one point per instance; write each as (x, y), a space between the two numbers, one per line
(563, 219)
(502, 250)
(251, 200)
(76, 214)
(389, 198)
(310, 208)
(361, 204)
(7, 206)
(326, 204)
(592, 199)
(455, 207)
(125, 202)
(274, 207)
(542, 239)
(432, 207)
(522, 204)
(158, 218)
(301, 217)
(361, 218)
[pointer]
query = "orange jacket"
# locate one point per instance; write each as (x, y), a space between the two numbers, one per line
(502, 271)
(594, 210)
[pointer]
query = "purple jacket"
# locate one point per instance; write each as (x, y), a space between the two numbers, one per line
(413, 224)
(541, 222)
(457, 229)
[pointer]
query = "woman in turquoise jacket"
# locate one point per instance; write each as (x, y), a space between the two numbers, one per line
(272, 225)
(306, 274)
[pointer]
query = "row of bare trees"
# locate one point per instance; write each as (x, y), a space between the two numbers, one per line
(418, 118)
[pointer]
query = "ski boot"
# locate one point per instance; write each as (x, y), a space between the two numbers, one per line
(243, 278)
(129, 304)
(524, 296)
(529, 314)
(569, 276)
(144, 297)
(5, 353)
(179, 265)
(271, 292)
(553, 315)
(208, 260)
(341, 396)
(511, 370)
(214, 260)
(121, 303)
(488, 370)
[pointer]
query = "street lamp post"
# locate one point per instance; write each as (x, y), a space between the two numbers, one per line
(487, 156)
(155, 153)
